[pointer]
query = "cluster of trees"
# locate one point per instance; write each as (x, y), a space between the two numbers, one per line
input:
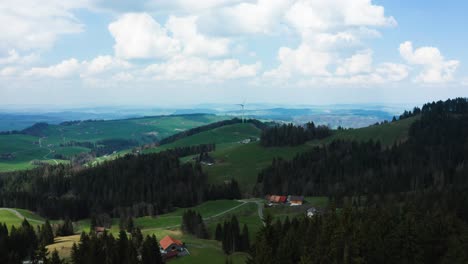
(211, 126)
(191, 150)
(126, 223)
(291, 135)
(36, 130)
(384, 233)
(233, 240)
(104, 248)
(204, 157)
(433, 157)
(108, 146)
(27, 243)
(77, 122)
(192, 223)
(228, 190)
(139, 185)
(66, 228)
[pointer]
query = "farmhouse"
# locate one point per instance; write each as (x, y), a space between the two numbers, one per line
(295, 200)
(99, 230)
(171, 247)
(276, 199)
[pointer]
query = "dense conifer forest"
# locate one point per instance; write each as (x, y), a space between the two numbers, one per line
(432, 158)
(383, 233)
(291, 135)
(138, 185)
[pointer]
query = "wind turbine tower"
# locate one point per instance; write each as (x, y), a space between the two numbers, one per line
(242, 107)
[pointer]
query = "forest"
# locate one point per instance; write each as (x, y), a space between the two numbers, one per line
(138, 185)
(383, 232)
(291, 135)
(433, 157)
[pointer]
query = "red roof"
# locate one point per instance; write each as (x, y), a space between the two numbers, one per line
(99, 229)
(167, 241)
(278, 199)
(282, 199)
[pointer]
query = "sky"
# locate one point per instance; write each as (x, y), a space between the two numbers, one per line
(189, 52)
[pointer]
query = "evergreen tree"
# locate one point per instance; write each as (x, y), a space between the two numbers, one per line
(219, 232)
(55, 259)
(150, 253)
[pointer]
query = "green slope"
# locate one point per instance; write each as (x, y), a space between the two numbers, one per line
(244, 162)
(223, 137)
(26, 148)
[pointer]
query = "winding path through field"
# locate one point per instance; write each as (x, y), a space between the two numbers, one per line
(19, 215)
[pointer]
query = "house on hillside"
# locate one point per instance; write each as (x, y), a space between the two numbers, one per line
(294, 200)
(99, 230)
(171, 247)
(276, 199)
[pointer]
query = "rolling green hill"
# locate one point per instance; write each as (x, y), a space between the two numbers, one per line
(223, 137)
(244, 162)
(45, 143)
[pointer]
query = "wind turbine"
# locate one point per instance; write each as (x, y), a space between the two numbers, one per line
(242, 106)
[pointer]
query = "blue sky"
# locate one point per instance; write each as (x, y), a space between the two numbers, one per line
(187, 52)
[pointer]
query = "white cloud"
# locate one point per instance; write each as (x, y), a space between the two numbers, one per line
(184, 30)
(435, 68)
(14, 57)
(191, 5)
(358, 63)
(8, 71)
(317, 16)
(138, 35)
(66, 68)
(262, 16)
(303, 60)
(36, 24)
(393, 72)
(198, 69)
(102, 64)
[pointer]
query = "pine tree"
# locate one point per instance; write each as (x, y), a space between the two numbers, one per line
(130, 224)
(150, 253)
(46, 234)
(55, 259)
(219, 232)
(245, 244)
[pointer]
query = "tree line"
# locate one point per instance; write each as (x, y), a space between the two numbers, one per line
(104, 248)
(291, 135)
(138, 185)
(232, 238)
(192, 223)
(27, 243)
(377, 233)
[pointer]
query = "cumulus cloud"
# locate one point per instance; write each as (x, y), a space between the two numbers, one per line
(262, 16)
(138, 35)
(303, 61)
(436, 68)
(102, 64)
(316, 16)
(358, 63)
(184, 30)
(66, 68)
(191, 68)
(36, 24)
